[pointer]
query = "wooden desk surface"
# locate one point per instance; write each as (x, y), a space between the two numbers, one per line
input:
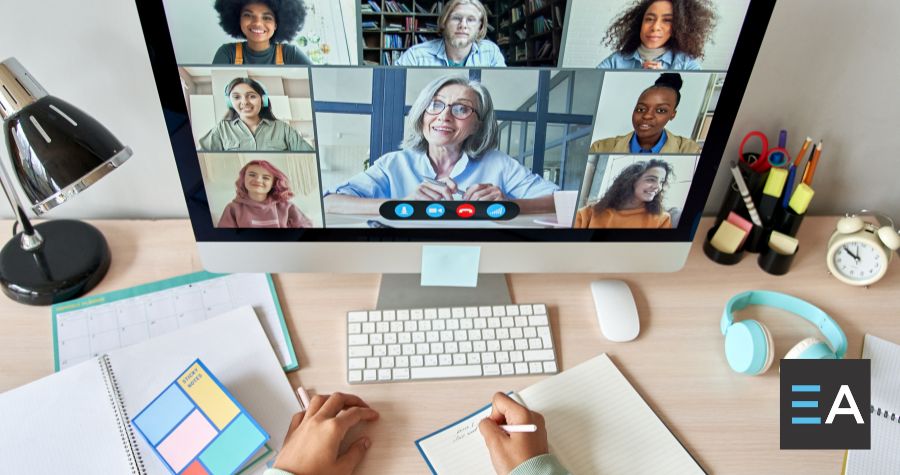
(727, 421)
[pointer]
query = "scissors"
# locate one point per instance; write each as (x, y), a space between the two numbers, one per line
(769, 157)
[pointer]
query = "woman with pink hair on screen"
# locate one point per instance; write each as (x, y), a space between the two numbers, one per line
(263, 200)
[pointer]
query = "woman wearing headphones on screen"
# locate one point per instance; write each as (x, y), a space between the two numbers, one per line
(660, 34)
(314, 438)
(249, 124)
(655, 107)
(263, 200)
(634, 200)
(267, 28)
(449, 153)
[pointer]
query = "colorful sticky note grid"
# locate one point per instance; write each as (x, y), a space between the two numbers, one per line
(196, 427)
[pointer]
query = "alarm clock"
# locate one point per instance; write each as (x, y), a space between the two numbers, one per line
(859, 251)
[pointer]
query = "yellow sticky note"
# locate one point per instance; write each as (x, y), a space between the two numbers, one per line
(801, 198)
(775, 182)
(208, 396)
(783, 244)
(727, 238)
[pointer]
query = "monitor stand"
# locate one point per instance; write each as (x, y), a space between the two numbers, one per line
(405, 291)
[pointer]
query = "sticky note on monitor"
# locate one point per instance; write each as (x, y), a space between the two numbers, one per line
(196, 427)
(450, 266)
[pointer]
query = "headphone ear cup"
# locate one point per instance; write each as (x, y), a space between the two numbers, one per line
(850, 224)
(748, 347)
(889, 237)
(810, 349)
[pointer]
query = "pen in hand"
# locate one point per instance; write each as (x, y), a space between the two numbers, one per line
(459, 191)
(511, 428)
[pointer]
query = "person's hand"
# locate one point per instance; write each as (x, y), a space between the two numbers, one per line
(313, 438)
(427, 191)
(652, 65)
(484, 192)
(508, 451)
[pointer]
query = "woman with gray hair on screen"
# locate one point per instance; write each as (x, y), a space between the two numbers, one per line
(450, 153)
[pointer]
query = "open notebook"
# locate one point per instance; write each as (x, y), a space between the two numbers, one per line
(77, 421)
(884, 455)
(597, 423)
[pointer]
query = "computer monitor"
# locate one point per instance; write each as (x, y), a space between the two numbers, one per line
(557, 135)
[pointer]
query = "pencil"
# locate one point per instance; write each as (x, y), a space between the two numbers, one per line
(799, 156)
(510, 428)
(745, 194)
(811, 166)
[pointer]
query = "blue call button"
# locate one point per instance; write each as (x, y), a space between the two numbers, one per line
(435, 210)
(496, 210)
(403, 210)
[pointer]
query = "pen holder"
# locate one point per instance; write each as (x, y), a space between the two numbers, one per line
(774, 262)
(787, 221)
(718, 256)
(733, 200)
(757, 239)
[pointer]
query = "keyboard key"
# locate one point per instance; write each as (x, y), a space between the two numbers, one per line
(410, 326)
(357, 363)
(502, 356)
(354, 328)
(387, 361)
(507, 368)
(376, 338)
(508, 322)
(417, 314)
(416, 360)
(369, 375)
(401, 361)
(409, 349)
(446, 372)
(487, 357)
(389, 315)
(357, 317)
(431, 360)
(358, 340)
(384, 374)
(525, 310)
(522, 344)
(512, 310)
(368, 327)
(471, 312)
(481, 323)
(535, 344)
(499, 311)
(530, 332)
(493, 345)
(394, 350)
(425, 326)
(382, 327)
(521, 321)
(375, 315)
(535, 367)
(516, 333)
(402, 314)
(538, 320)
(360, 351)
(391, 338)
(484, 311)
(459, 359)
(473, 358)
(516, 356)
(373, 363)
(466, 324)
(443, 313)
(422, 348)
(457, 312)
(379, 350)
(430, 313)
(540, 309)
(491, 370)
(355, 376)
(465, 347)
(439, 325)
(437, 348)
(445, 360)
(396, 327)
(521, 368)
(401, 373)
(480, 346)
(550, 367)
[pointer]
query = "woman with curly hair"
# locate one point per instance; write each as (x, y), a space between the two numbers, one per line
(263, 200)
(660, 34)
(634, 200)
(267, 28)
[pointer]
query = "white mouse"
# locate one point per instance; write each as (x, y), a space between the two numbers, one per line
(616, 311)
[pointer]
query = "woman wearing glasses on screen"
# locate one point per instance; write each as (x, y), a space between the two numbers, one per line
(266, 27)
(263, 200)
(450, 153)
(655, 107)
(634, 200)
(250, 125)
(463, 26)
(660, 34)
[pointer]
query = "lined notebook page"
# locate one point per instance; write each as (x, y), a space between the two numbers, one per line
(884, 455)
(597, 423)
(459, 447)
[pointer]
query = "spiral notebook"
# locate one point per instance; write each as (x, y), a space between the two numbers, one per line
(77, 421)
(596, 423)
(884, 455)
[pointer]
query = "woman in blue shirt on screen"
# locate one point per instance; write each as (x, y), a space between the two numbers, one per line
(450, 153)
(314, 438)
(660, 34)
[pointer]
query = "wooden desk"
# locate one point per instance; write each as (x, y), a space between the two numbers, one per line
(727, 421)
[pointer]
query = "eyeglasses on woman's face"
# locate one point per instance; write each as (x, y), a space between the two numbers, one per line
(459, 111)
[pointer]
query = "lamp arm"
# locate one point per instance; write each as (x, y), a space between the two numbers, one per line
(31, 239)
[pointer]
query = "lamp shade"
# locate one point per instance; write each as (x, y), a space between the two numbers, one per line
(56, 149)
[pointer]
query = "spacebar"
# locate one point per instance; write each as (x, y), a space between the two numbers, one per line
(445, 372)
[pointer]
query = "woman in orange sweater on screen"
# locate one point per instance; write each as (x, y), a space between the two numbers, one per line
(635, 199)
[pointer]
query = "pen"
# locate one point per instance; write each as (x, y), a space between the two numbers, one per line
(304, 398)
(811, 165)
(788, 189)
(745, 194)
(510, 428)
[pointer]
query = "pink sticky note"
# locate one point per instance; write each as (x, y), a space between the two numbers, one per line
(742, 223)
(186, 441)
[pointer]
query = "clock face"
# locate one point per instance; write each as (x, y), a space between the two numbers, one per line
(858, 261)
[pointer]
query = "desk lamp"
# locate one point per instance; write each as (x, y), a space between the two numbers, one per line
(55, 151)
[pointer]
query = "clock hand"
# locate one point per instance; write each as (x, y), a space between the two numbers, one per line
(854, 256)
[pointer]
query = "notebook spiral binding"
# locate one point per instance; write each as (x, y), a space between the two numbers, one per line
(129, 443)
(888, 415)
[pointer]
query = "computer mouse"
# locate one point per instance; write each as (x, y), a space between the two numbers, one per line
(616, 310)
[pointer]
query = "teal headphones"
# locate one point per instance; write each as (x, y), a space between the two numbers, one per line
(748, 343)
(265, 94)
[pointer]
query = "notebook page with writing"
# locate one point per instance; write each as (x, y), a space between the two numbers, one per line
(458, 447)
(235, 348)
(597, 423)
(884, 455)
(63, 423)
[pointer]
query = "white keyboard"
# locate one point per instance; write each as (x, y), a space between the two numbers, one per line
(458, 342)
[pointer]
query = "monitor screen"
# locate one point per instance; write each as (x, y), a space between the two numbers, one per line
(314, 122)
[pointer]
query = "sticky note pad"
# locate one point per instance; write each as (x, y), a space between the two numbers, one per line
(801, 198)
(450, 266)
(196, 427)
(775, 183)
(742, 223)
(728, 238)
(783, 244)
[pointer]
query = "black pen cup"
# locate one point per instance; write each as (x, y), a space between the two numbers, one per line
(733, 201)
(787, 221)
(757, 239)
(718, 256)
(774, 262)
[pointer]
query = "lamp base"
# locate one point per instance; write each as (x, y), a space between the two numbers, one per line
(73, 259)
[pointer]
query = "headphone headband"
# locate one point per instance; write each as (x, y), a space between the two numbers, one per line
(799, 307)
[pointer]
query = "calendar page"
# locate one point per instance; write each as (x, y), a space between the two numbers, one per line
(90, 326)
